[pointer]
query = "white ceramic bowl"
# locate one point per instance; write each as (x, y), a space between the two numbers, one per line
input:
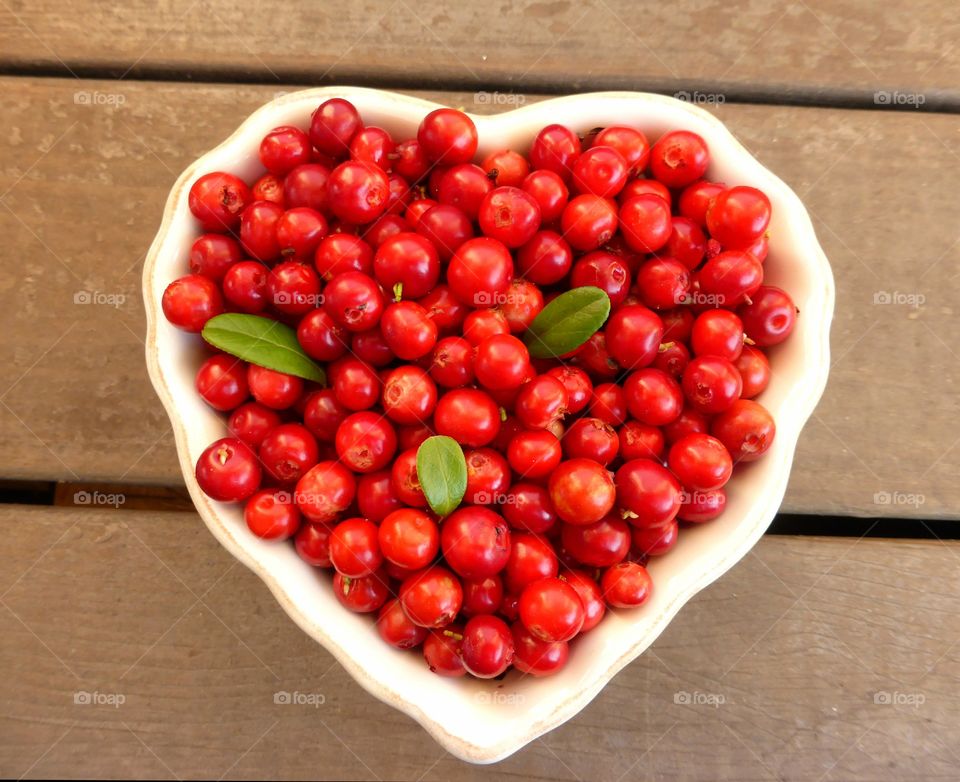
(483, 721)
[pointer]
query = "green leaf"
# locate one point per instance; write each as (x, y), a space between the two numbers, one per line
(262, 341)
(567, 322)
(442, 472)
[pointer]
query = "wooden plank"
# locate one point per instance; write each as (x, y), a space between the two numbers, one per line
(817, 47)
(785, 665)
(83, 188)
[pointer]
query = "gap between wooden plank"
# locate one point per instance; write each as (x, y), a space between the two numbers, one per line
(890, 98)
(102, 496)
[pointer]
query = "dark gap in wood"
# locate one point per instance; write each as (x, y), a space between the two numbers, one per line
(886, 98)
(176, 498)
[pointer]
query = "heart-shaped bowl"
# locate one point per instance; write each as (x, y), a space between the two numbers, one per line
(484, 721)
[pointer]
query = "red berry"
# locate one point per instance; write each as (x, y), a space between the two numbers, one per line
(738, 217)
(448, 137)
(551, 610)
(396, 628)
(333, 125)
(222, 382)
(679, 158)
(408, 260)
(770, 317)
(366, 442)
(556, 148)
(217, 200)
(626, 585)
(746, 429)
(271, 514)
(480, 270)
(700, 462)
(325, 491)
(357, 192)
(189, 302)
(582, 491)
(487, 647)
(475, 542)
(509, 215)
(431, 597)
(354, 550)
(287, 452)
(409, 538)
(228, 471)
(648, 495)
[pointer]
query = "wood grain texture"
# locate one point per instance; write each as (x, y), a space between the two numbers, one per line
(785, 665)
(813, 46)
(82, 187)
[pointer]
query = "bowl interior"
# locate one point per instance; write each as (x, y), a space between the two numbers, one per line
(482, 721)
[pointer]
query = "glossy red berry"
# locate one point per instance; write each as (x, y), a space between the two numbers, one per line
(270, 514)
(357, 192)
(325, 491)
(700, 462)
(647, 493)
(582, 491)
(645, 222)
(551, 610)
(487, 647)
(431, 597)
(287, 452)
(217, 199)
(333, 125)
(448, 137)
(228, 470)
(679, 158)
(746, 429)
(475, 542)
(633, 336)
(770, 317)
(711, 384)
(510, 215)
(480, 270)
(410, 261)
(556, 148)
(738, 217)
(354, 301)
(396, 628)
(626, 585)
(588, 221)
(189, 302)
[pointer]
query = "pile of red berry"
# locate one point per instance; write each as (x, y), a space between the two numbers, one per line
(419, 284)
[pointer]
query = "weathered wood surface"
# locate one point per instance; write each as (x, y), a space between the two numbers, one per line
(798, 648)
(82, 187)
(815, 47)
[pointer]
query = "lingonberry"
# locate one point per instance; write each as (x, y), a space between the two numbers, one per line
(222, 382)
(608, 404)
(510, 215)
(550, 193)
(408, 260)
(283, 149)
(287, 452)
(365, 442)
(690, 421)
(413, 436)
(717, 333)
(647, 493)
(663, 283)
(479, 325)
(640, 441)
(228, 471)
(293, 288)
(251, 422)
(217, 199)
(372, 145)
(339, 253)
(754, 369)
(482, 596)
(276, 390)
(551, 610)
(306, 185)
(631, 143)
(444, 309)
(321, 337)
(475, 542)
(357, 192)
(679, 158)
(591, 438)
(639, 187)
(269, 187)
(534, 454)
(582, 491)
(588, 221)
(409, 395)
(700, 462)
(448, 137)
(730, 278)
(464, 187)
(527, 507)
(645, 223)
(747, 430)
(299, 232)
(396, 629)
(487, 647)
(245, 287)
(601, 544)
(354, 300)
(687, 242)
(738, 217)
(212, 255)
(271, 514)
(258, 230)
(545, 259)
(325, 491)
(431, 597)
(655, 541)
(480, 270)
(488, 476)
(323, 414)
(677, 324)
(408, 330)
(447, 227)
(375, 497)
(600, 170)
(441, 651)
(590, 596)
(501, 362)
(363, 595)
(452, 364)
(540, 402)
(333, 125)
(312, 543)
(578, 385)
(404, 480)
(653, 396)
(605, 271)
(189, 302)
(711, 384)
(506, 168)
(596, 360)
(385, 227)
(354, 549)
(409, 538)
(633, 336)
(417, 209)
(409, 160)
(531, 558)
(701, 506)
(355, 385)
(626, 585)
(556, 148)
(770, 316)
(695, 200)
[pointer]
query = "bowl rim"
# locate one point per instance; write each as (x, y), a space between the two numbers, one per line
(458, 745)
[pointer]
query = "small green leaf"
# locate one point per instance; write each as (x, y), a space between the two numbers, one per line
(567, 322)
(442, 472)
(262, 341)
